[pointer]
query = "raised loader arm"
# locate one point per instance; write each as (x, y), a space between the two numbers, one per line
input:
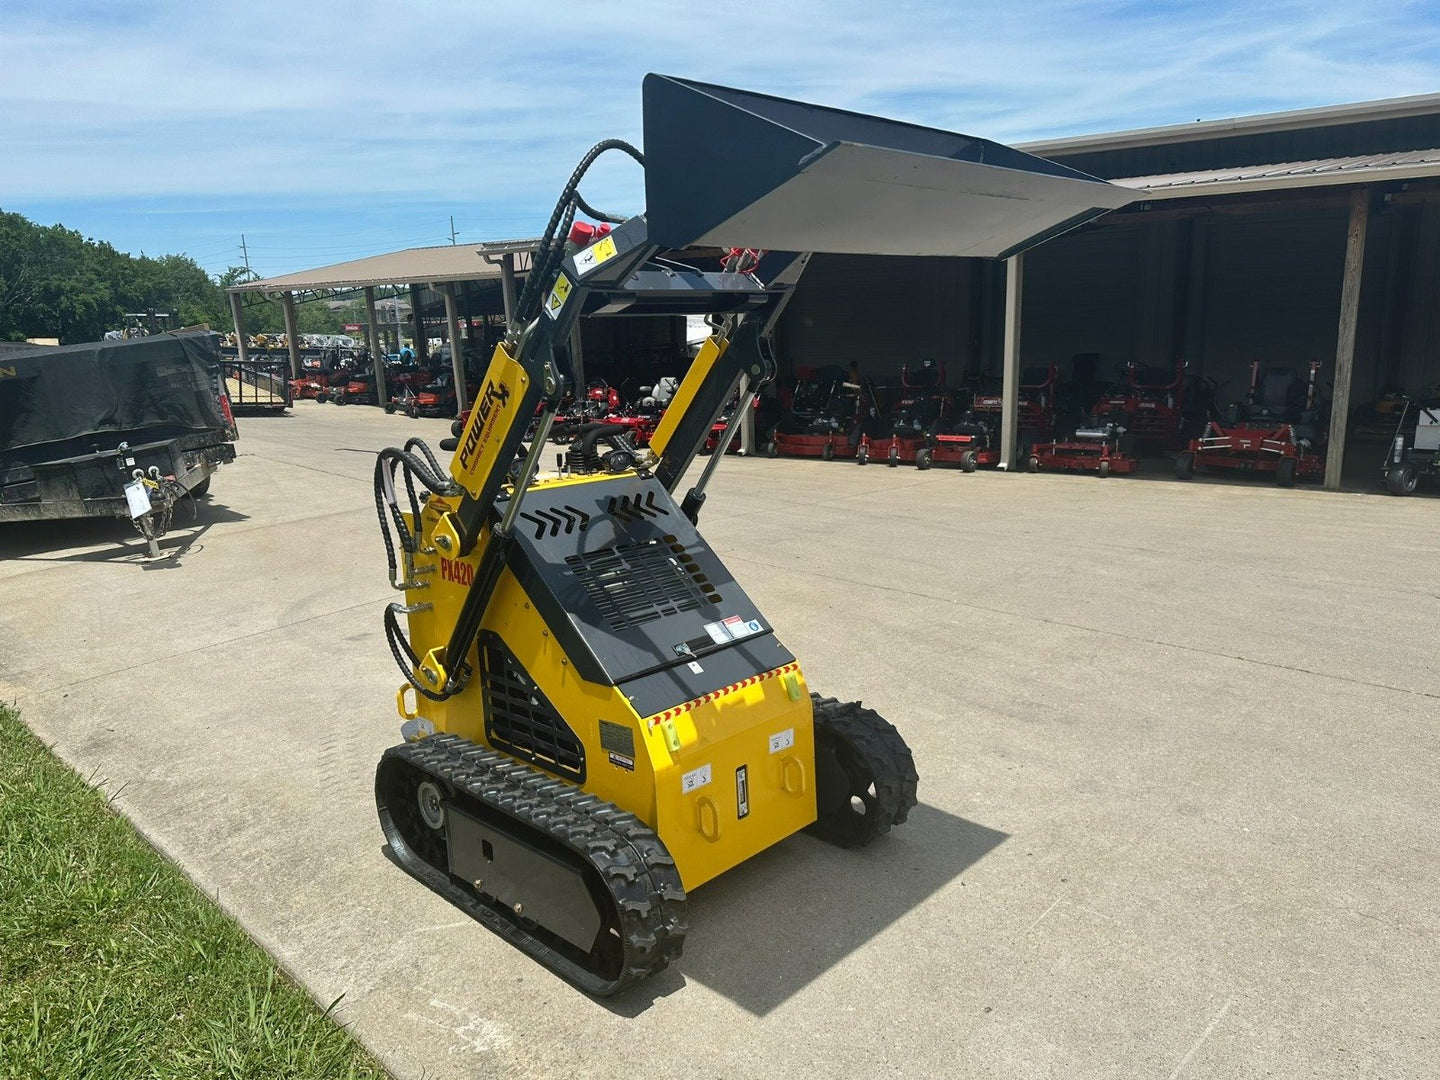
(768, 173)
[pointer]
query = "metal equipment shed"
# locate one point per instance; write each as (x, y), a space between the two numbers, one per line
(461, 281)
(1284, 238)
(446, 269)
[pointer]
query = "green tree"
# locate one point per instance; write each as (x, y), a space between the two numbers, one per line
(56, 283)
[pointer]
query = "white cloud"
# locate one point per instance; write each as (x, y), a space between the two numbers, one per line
(455, 102)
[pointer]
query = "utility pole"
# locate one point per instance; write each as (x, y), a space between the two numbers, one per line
(244, 251)
(452, 230)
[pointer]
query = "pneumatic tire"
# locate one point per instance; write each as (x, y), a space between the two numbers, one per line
(1402, 479)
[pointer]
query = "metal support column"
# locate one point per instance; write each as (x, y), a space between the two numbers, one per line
(1191, 332)
(1345, 343)
(292, 335)
(372, 339)
(1010, 408)
(507, 285)
(417, 319)
(238, 314)
(457, 350)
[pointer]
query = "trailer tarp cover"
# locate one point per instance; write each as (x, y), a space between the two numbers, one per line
(76, 399)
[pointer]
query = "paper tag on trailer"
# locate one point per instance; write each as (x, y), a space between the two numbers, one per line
(137, 498)
(602, 251)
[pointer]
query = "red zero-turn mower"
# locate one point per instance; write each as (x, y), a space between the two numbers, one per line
(313, 383)
(1153, 413)
(825, 416)
(405, 386)
(973, 438)
(1098, 446)
(641, 419)
(1279, 430)
(601, 400)
(921, 412)
(437, 398)
(356, 388)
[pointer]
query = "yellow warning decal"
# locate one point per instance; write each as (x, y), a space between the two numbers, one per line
(558, 295)
(602, 251)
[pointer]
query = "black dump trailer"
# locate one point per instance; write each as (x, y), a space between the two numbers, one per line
(122, 429)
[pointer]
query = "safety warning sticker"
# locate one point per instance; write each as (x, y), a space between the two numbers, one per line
(558, 296)
(602, 251)
(695, 779)
(782, 740)
(732, 629)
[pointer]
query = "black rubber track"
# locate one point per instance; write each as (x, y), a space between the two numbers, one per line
(645, 893)
(865, 774)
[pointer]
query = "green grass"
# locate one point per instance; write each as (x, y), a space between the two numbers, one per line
(113, 965)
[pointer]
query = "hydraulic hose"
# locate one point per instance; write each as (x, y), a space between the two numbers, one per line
(552, 240)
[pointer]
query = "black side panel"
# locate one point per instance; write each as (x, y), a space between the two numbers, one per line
(631, 589)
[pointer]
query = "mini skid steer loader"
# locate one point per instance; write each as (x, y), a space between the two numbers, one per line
(597, 718)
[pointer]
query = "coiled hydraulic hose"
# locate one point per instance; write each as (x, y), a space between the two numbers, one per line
(417, 465)
(552, 241)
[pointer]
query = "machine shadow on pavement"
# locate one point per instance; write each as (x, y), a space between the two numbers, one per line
(767, 929)
(763, 932)
(33, 541)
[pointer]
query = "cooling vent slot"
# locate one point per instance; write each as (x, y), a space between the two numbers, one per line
(633, 584)
(635, 507)
(519, 718)
(556, 520)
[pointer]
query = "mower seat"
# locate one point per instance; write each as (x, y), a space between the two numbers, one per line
(1280, 393)
(924, 377)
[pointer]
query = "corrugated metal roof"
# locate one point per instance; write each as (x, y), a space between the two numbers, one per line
(1261, 123)
(413, 266)
(1370, 168)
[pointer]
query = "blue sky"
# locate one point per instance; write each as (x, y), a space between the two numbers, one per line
(325, 131)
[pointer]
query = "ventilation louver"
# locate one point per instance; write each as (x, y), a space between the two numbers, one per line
(521, 720)
(633, 584)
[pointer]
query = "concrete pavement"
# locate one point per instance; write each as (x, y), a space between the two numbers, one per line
(1176, 746)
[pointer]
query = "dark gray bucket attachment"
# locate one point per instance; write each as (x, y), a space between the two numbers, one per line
(730, 168)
